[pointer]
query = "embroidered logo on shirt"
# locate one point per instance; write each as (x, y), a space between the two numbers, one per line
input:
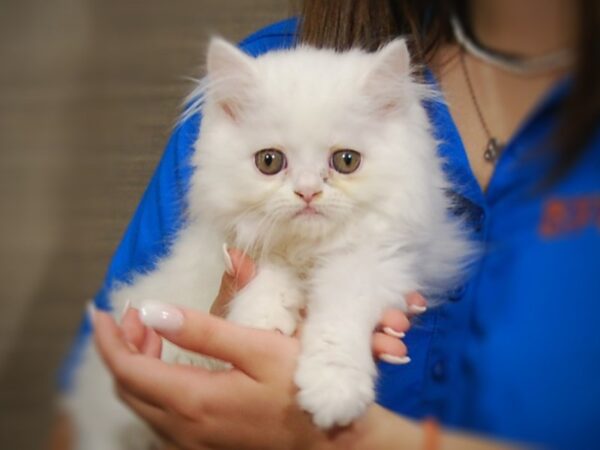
(567, 215)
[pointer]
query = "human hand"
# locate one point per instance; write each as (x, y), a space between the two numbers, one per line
(251, 406)
(216, 410)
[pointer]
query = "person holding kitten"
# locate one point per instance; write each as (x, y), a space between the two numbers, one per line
(510, 356)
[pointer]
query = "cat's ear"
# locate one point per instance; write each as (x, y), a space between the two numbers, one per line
(387, 81)
(231, 77)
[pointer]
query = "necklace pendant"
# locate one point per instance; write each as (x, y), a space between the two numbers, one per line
(492, 150)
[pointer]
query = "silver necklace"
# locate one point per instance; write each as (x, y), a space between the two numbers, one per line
(516, 64)
(493, 147)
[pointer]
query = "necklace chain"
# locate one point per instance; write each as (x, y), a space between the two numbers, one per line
(493, 147)
(511, 63)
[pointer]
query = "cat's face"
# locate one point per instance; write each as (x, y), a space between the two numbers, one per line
(303, 142)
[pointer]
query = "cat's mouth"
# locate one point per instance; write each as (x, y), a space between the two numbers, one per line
(308, 211)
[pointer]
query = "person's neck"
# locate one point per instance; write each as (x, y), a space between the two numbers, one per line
(526, 28)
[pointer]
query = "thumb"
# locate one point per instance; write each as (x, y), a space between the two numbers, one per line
(140, 338)
(240, 269)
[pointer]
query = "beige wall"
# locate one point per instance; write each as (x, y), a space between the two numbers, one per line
(88, 92)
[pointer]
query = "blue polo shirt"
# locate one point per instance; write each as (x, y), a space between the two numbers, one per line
(515, 352)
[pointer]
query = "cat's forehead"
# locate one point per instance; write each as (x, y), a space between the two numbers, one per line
(306, 75)
(312, 90)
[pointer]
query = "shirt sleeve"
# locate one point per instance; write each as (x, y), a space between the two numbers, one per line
(159, 214)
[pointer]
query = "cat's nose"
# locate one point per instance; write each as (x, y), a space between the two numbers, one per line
(307, 195)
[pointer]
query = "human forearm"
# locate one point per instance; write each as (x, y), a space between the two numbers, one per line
(452, 440)
(382, 429)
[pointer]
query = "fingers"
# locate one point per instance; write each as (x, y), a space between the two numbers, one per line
(148, 379)
(394, 323)
(389, 349)
(240, 269)
(243, 267)
(142, 338)
(152, 344)
(150, 413)
(255, 352)
(226, 292)
(160, 421)
(134, 330)
(387, 344)
(416, 303)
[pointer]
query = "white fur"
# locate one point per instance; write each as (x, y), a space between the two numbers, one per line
(381, 232)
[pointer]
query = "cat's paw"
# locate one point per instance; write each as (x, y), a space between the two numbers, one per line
(334, 394)
(266, 310)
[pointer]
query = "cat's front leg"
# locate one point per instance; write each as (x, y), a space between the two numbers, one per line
(271, 301)
(336, 371)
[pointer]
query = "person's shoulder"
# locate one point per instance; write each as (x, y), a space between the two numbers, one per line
(272, 37)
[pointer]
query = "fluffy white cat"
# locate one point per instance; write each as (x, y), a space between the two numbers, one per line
(321, 165)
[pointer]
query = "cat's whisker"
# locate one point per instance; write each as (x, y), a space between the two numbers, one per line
(266, 231)
(252, 245)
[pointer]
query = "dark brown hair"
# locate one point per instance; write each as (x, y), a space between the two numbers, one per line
(342, 24)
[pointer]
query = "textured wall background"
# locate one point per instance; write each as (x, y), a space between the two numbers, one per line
(88, 92)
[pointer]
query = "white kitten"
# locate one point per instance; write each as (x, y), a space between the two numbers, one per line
(320, 165)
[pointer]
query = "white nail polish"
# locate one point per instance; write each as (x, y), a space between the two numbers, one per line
(415, 309)
(391, 332)
(227, 259)
(160, 316)
(392, 359)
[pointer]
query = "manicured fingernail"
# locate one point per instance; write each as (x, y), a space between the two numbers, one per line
(228, 262)
(391, 332)
(416, 309)
(392, 359)
(91, 311)
(125, 308)
(160, 316)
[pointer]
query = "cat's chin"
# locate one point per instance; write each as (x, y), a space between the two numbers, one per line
(310, 225)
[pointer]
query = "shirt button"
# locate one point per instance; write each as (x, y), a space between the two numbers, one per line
(456, 294)
(438, 370)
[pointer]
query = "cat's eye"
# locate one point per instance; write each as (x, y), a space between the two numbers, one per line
(345, 161)
(270, 161)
